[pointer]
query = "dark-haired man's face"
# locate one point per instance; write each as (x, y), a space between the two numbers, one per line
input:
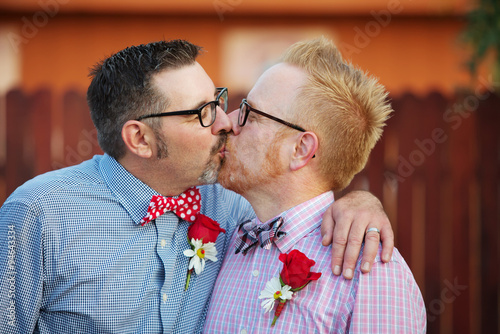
(195, 153)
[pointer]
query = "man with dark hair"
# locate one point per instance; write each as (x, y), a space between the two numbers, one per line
(101, 247)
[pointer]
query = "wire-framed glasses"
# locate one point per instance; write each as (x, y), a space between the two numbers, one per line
(245, 109)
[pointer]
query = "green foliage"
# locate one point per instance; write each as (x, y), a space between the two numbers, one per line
(483, 33)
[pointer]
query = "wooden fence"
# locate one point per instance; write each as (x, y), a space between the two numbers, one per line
(436, 170)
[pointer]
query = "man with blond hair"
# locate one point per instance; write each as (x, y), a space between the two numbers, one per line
(308, 118)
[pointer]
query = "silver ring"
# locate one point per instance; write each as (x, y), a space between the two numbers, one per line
(373, 229)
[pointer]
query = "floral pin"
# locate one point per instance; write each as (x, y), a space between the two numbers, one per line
(294, 276)
(202, 235)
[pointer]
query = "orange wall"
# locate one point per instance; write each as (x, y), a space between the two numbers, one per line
(409, 53)
(275, 7)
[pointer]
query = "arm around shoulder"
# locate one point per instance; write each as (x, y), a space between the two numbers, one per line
(345, 224)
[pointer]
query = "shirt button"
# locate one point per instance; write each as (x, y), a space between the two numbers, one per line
(163, 243)
(255, 273)
(244, 331)
(164, 297)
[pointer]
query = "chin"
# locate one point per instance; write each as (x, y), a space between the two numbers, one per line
(234, 182)
(211, 173)
(225, 178)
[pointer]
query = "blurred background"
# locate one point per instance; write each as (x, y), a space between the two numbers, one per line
(436, 170)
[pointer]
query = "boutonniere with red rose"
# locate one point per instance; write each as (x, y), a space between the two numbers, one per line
(294, 276)
(202, 235)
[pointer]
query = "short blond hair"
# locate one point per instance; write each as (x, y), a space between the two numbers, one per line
(344, 106)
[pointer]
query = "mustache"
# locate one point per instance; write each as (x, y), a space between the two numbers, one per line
(220, 143)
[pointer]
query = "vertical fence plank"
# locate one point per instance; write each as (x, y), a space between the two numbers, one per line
(408, 121)
(41, 118)
(432, 143)
(375, 169)
(489, 148)
(19, 166)
(462, 154)
(80, 136)
(28, 136)
(391, 178)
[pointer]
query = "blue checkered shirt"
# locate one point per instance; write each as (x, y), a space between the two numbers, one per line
(74, 258)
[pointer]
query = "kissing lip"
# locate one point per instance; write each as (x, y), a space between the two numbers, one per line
(223, 151)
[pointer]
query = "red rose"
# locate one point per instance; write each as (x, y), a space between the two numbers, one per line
(204, 228)
(296, 270)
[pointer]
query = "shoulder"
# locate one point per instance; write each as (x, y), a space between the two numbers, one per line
(43, 186)
(393, 279)
(396, 270)
(390, 283)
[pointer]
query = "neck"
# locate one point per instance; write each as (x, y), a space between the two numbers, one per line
(272, 200)
(156, 176)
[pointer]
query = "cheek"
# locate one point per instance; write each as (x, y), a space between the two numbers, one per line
(255, 139)
(246, 151)
(197, 144)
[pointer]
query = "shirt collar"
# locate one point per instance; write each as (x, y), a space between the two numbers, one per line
(133, 194)
(301, 220)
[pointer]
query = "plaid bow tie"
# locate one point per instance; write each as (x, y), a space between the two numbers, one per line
(185, 206)
(249, 234)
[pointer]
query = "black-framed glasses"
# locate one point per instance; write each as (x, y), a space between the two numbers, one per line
(245, 109)
(206, 113)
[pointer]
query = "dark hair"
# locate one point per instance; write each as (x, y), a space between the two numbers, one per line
(122, 89)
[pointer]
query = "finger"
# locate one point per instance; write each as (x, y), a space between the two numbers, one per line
(387, 238)
(370, 250)
(352, 250)
(327, 227)
(340, 235)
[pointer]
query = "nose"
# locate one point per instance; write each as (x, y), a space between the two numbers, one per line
(233, 116)
(222, 122)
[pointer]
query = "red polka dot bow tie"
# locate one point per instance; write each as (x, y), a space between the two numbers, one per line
(185, 206)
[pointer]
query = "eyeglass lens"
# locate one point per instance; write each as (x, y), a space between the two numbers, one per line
(209, 112)
(242, 114)
(223, 100)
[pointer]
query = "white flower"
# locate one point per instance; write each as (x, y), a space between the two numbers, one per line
(198, 255)
(274, 291)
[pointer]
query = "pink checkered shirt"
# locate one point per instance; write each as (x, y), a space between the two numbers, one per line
(387, 300)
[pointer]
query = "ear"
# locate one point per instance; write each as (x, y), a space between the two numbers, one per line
(139, 138)
(305, 148)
